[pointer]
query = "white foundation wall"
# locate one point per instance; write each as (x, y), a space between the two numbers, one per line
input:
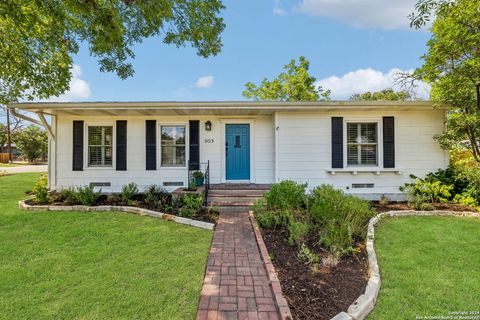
(211, 148)
(303, 142)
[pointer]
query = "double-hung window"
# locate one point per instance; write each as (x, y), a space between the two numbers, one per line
(100, 150)
(362, 144)
(173, 146)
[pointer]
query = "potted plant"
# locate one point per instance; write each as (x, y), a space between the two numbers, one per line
(199, 177)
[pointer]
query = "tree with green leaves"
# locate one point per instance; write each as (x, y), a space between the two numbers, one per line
(452, 67)
(32, 142)
(383, 95)
(295, 84)
(38, 39)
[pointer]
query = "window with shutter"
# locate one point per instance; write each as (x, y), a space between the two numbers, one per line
(362, 144)
(100, 146)
(173, 146)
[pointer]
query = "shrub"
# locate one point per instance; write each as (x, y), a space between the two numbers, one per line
(113, 199)
(450, 176)
(265, 219)
(465, 199)
(128, 192)
(430, 190)
(384, 200)
(286, 195)
(156, 197)
(297, 231)
(40, 189)
(87, 196)
(339, 219)
(191, 205)
(67, 196)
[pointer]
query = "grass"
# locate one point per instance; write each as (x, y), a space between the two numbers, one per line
(72, 265)
(429, 267)
(9, 165)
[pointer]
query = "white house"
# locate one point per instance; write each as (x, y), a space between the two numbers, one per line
(364, 148)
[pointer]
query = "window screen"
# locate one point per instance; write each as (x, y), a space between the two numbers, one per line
(362, 144)
(173, 146)
(100, 146)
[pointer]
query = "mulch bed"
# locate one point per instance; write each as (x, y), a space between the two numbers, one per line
(396, 206)
(321, 294)
(205, 214)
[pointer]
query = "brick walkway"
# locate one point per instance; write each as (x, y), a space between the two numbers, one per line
(236, 285)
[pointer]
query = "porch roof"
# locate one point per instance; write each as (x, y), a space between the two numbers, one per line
(151, 108)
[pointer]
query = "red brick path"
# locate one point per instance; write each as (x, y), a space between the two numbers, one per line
(236, 284)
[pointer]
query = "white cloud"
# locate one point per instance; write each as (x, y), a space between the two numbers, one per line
(384, 14)
(363, 80)
(205, 82)
(279, 11)
(79, 88)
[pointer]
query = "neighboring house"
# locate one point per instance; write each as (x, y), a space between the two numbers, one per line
(15, 151)
(363, 148)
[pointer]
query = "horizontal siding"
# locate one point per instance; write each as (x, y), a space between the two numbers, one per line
(304, 149)
(264, 153)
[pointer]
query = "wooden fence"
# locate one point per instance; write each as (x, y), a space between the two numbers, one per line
(3, 157)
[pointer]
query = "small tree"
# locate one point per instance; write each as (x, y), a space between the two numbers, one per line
(384, 95)
(295, 84)
(32, 143)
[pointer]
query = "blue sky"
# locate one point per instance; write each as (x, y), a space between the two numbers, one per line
(353, 46)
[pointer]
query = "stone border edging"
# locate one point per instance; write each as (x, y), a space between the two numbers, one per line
(364, 304)
(280, 301)
(141, 211)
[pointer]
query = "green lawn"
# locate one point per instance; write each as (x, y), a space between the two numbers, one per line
(69, 265)
(430, 266)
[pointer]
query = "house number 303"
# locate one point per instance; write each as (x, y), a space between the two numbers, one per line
(209, 141)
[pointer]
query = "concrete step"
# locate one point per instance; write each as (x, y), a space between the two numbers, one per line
(233, 210)
(239, 186)
(236, 193)
(231, 201)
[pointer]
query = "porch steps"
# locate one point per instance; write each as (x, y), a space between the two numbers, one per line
(236, 193)
(235, 196)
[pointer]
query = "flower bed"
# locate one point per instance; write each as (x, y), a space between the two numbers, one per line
(320, 293)
(154, 198)
(316, 242)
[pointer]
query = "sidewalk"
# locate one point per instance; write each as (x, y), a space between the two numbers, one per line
(236, 284)
(26, 168)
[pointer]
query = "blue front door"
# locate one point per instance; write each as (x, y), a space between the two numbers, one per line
(237, 151)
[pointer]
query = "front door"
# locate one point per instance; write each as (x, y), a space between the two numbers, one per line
(237, 151)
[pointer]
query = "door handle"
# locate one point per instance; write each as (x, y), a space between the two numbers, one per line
(226, 149)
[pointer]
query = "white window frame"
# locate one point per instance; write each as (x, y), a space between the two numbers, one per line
(187, 143)
(378, 121)
(86, 144)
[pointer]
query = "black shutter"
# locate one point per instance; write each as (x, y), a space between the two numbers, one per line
(121, 156)
(388, 142)
(151, 144)
(337, 142)
(77, 157)
(194, 144)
